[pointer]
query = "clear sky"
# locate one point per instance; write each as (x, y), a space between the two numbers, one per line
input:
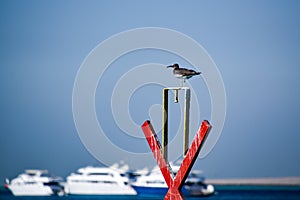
(255, 45)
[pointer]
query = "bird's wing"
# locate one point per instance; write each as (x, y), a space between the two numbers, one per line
(188, 72)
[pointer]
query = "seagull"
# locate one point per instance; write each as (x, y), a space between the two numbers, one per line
(183, 73)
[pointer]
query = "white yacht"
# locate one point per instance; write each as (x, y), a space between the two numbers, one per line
(35, 183)
(154, 184)
(98, 181)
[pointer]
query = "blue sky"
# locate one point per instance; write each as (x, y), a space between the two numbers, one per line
(255, 45)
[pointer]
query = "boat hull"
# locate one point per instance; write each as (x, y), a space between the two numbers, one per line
(155, 191)
(30, 190)
(98, 189)
(186, 191)
(148, 191)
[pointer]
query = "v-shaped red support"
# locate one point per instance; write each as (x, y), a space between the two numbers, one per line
(175, 184)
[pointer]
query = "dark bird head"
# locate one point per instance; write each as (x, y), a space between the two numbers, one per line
(175, 66)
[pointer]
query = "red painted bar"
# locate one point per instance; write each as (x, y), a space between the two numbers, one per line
(191, 155)
(156, 149)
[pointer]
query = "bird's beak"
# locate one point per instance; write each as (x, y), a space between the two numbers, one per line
(171, 66)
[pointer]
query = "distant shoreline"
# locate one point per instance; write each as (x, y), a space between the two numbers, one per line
(282, 181)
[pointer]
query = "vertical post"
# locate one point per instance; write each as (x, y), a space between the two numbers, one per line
(165, 124)
(176, 96)
(186, 125)
(186, 119)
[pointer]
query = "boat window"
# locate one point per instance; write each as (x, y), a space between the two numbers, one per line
(157, 181)
(93, 181)
(52, 183)
(89, 181)
(29, 182)
(189, 183)
(99, 174)
(109, 182)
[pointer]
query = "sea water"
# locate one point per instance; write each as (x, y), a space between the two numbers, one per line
(222, 193)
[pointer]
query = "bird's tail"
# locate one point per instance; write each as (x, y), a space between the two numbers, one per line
(197, 73)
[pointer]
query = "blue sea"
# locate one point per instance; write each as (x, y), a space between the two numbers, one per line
(222, 193)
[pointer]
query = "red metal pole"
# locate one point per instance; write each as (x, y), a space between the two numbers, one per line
(191, 155)
(155, 146)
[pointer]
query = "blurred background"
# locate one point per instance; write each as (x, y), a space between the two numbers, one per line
(255, 45)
